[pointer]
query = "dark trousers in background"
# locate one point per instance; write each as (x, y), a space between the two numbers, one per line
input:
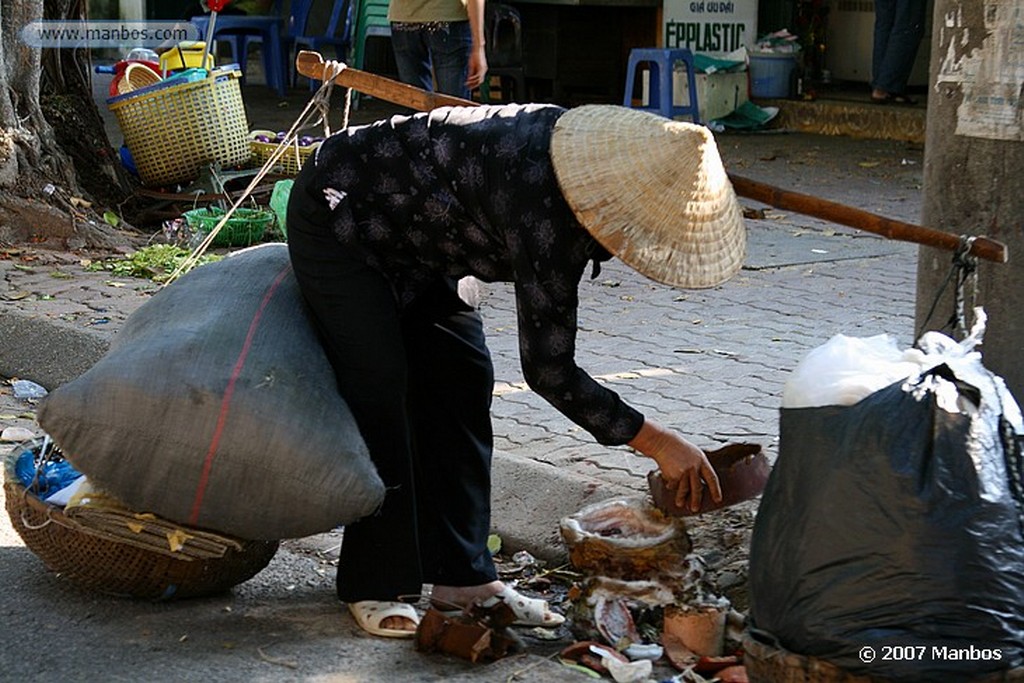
(419, 383)
(899, 28)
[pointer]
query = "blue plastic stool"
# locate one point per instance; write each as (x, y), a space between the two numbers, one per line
(662, 62)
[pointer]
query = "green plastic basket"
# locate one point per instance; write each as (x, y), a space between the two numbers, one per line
(245, 227)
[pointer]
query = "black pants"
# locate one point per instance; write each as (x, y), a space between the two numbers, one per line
(419, 382)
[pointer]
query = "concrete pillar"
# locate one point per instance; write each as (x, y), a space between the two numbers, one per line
(974, 168)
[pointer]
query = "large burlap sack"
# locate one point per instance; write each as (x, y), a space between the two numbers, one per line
(216, 407)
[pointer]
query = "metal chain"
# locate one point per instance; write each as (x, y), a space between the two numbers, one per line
(964, 270)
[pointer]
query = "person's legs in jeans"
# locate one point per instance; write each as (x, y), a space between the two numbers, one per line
(899, 27)
(426, 54)
(449, 51)
(885, 11)
(412, 56)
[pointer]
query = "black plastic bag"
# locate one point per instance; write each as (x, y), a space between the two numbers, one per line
(897, 524)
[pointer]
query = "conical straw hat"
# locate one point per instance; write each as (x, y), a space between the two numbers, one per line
(652, 191)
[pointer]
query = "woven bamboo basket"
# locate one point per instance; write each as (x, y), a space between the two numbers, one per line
(175, 130)
(127, 554)
(767, 662)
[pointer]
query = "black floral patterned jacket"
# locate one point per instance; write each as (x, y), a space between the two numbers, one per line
(471, 191)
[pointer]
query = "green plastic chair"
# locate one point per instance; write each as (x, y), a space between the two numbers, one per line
(371, 21)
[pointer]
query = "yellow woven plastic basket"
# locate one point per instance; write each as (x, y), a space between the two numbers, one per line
(289, 163)
(173, 132)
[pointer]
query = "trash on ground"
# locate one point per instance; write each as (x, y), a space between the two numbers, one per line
(642, 592)
(477, 633)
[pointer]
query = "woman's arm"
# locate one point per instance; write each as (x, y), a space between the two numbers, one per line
(477, 54)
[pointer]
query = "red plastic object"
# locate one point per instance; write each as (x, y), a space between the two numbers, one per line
(217, 5)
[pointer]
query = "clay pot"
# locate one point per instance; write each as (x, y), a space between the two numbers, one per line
(742, 470)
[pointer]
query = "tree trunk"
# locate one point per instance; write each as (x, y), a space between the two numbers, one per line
(42, 167)
(25, 132)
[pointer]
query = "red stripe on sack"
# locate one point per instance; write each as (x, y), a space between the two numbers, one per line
(225, 404)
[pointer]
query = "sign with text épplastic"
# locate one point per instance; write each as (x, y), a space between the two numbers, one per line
(711, 27)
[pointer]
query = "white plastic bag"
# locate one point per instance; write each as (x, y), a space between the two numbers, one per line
(846, 369)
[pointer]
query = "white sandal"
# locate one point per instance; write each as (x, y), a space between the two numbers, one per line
(369, 614)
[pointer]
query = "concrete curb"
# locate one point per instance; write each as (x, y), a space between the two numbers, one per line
(47, 351)
(529, 499)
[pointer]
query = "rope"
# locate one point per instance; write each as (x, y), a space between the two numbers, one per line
(43, 456)
(320, 103)
(964, 268)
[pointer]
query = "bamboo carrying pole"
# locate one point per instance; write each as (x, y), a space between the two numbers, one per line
(312, 65)
(982, 247)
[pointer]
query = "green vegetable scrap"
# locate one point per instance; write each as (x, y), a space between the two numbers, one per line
(155, 262)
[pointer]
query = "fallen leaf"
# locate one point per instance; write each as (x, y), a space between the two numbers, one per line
(494, 544)
(868, 164)
(581, 669)
(176, 540)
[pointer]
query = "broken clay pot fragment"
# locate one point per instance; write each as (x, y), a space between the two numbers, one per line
(742, 470)
(479, 634)
(700, 630)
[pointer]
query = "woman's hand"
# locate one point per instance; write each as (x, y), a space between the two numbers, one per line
(684, 467)
(477, 67)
